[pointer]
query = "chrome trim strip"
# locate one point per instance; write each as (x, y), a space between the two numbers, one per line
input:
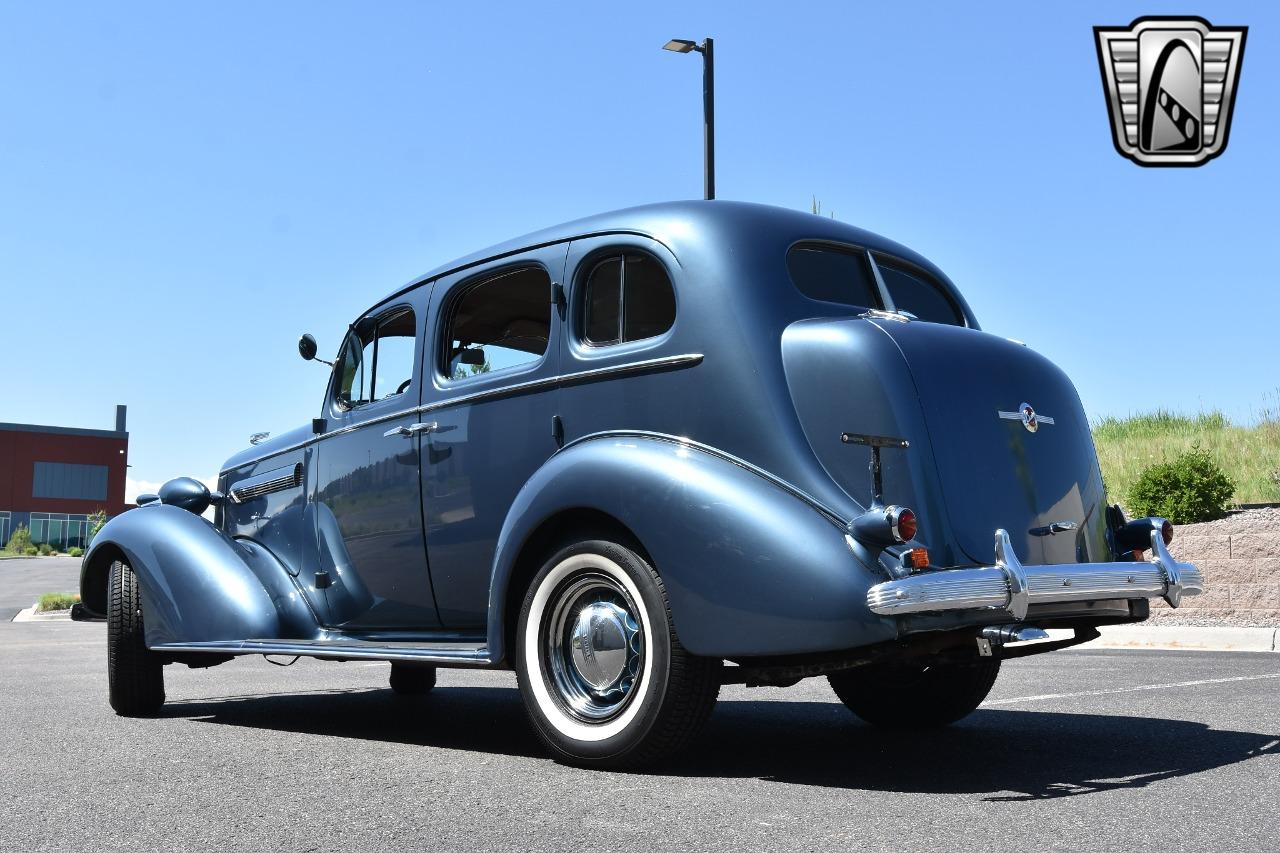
(1013, 587)
(466, 655)
(833, 516)
(275, 480)
(671, 362)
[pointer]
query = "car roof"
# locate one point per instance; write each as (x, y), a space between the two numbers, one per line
(669, 222)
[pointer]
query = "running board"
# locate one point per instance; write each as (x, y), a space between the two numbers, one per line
(445, 654)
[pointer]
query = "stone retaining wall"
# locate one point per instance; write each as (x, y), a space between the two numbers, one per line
(1240, 558)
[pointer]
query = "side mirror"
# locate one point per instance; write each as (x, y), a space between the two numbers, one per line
(471, 356)
(307, 347)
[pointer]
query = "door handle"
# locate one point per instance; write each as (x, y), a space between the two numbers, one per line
(412, 429)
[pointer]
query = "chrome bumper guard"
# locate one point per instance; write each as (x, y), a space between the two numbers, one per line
(1013, 587)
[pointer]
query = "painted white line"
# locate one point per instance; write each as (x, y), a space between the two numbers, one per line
(1045, 696)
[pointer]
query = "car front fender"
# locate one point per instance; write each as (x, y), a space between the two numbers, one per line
(751, 566)
(198, 584)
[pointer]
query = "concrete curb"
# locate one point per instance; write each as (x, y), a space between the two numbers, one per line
(1207, 639)
(30, 615)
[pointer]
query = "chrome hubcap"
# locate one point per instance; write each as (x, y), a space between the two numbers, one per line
(594, 646)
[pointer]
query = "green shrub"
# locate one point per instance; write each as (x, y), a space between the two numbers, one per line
(45, 549)
(96, 520)
(1191, 488)
(73, 551)
(56, 601)
(31, 550)
(20, 541)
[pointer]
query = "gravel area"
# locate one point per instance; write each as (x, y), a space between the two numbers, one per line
(1262, 521)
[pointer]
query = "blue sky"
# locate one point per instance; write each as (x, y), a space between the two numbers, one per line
(185, 188)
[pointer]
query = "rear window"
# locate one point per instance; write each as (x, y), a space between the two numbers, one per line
(914, 292)
(833, 275)
(628, 298)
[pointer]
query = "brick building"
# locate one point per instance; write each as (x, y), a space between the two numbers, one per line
(52, 478)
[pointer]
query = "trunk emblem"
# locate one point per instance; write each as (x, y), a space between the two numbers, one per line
(1028, 416)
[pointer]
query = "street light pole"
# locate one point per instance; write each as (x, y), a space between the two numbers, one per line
(708, 105)
(709, 118)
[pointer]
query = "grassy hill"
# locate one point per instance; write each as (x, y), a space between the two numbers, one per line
(1249, 455)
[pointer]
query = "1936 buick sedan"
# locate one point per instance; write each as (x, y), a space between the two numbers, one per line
(640, 456)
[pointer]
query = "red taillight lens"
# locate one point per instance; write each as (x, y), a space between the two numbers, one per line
(1166, 532)
(904, 525)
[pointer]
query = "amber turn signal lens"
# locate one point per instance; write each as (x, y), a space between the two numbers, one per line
(1166, 532)
(919, 558)
(904, 524)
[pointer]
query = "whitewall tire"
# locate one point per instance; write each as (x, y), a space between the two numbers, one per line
(603, 675)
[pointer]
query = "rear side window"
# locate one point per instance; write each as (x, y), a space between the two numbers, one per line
(500, 323)
(833, 275)
(628, 298)
(914, 292)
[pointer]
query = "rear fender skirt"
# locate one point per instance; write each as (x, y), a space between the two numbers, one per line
(751, 567)
(198, 584)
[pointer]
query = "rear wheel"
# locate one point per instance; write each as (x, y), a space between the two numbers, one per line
(135, 675)
(603, 675)
(916, 694)
(408, 679)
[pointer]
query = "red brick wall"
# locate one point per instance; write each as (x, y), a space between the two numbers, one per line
(19, 451)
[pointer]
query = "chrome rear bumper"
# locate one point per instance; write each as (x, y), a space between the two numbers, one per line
(1013, 587)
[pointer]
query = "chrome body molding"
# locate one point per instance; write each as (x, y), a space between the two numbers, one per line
(671, 362)
(1009, 585)
(795, 491)
(275, 480)
(452, 654)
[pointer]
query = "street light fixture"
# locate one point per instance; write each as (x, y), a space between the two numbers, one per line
(708, 105)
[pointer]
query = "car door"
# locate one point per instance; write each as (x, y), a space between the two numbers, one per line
(368, 504)
(490, 393)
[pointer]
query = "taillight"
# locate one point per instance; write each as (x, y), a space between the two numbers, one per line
(884, 525)
(902, 522)
(1136, 535)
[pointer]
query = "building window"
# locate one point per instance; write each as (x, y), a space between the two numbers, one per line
(5, 519)
(69, 481)
(60, 530)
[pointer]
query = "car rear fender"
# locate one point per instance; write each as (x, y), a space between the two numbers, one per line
(751, 566)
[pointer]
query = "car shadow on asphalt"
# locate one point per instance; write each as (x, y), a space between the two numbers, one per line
(1002, 754)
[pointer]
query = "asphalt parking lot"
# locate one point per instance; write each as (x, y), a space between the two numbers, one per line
(1086, 749)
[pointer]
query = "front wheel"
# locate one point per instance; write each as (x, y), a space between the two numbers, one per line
(603, 675)
(135, 675)
(916, 694)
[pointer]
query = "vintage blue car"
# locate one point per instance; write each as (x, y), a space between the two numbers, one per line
(640, 456)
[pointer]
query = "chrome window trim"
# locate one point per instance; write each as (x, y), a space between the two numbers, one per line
(792, 489)
(670, 362)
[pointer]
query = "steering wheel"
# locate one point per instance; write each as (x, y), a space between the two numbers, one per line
(404, 385)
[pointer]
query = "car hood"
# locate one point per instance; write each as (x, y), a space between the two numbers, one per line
(274, 444)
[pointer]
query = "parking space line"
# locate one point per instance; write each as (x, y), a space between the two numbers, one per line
(1044, 696)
